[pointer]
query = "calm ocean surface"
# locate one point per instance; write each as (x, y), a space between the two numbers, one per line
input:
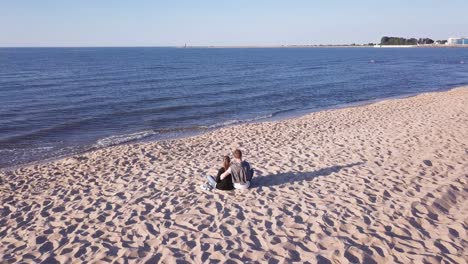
(60, 101)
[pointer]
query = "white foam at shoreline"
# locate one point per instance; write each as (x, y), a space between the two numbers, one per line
(119, 139)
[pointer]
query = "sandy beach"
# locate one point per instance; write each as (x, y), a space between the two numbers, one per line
(380, 183)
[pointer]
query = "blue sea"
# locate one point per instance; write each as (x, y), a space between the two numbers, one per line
(62, 101)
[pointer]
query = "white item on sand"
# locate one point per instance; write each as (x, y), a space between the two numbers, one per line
(206, 187)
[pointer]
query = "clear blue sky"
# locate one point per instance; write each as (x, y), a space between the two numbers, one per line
(211, 22)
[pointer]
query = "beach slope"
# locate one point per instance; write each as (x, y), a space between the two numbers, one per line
(380, 183)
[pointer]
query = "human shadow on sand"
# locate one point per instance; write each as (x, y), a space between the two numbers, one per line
(290, 177)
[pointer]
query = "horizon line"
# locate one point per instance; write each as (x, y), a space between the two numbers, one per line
(194, 46)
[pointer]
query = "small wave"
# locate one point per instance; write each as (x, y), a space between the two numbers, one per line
(314, 68)
(237, 121)
(281, 112)
(164, 67)
(11, 157)
(47, 131)
(119, 139)
(16, 150)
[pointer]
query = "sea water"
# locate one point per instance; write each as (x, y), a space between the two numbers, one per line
(61, 101)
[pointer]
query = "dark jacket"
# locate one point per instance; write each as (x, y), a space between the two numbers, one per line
(224, 184)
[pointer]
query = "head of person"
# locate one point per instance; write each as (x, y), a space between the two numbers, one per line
(226, 162)
(238, 154)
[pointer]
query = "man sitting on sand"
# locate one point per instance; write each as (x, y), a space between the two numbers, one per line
(240, 170)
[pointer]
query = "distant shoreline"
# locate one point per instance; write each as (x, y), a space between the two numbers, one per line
(245, 47)
(326, 46)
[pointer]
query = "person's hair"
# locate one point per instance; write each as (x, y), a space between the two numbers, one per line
(226, 162)
(237, 154)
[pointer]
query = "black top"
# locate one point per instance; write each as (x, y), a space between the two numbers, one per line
(226, 183)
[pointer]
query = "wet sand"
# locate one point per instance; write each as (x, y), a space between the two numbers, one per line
(380, 183)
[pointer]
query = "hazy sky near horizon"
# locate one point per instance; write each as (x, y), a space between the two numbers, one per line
(210, 22)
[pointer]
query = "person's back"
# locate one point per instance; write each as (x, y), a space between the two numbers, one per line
(240, 171)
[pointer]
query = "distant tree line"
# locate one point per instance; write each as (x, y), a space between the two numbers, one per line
(404, 41)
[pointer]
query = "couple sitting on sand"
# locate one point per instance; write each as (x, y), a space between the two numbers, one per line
(233, 175)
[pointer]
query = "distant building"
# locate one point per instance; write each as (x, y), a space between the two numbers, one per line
(441, 42)
(457, 41)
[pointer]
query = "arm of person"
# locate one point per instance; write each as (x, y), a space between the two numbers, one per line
(218, 176)
(225, 174)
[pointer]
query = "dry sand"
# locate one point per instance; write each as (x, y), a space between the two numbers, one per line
(382, 183)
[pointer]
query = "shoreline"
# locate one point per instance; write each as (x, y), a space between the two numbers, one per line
(180, 135)
(377, 183)
(244, 46)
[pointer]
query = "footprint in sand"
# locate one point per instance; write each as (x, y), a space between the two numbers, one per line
(328, 221)
(350, 257)
(367, 220)
(322, 260)
(453, 232)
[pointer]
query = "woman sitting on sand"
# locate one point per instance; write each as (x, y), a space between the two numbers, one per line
(218, 183)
